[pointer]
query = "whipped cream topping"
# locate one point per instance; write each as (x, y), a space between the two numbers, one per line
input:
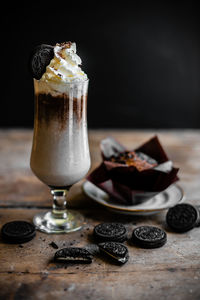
(64, 67)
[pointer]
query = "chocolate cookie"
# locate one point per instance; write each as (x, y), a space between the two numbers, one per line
(40, 59)
(115, 232)
(73, 254)
(182, 217)
(18, 232)
(116, 251)
(149, 237)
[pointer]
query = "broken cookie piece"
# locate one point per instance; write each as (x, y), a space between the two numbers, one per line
(116, 251)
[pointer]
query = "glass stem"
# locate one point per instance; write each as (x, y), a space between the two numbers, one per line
(59, 204)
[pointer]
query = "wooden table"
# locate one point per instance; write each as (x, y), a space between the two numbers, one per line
(28, 272)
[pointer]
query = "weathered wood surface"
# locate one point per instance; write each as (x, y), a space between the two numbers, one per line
(28, 272)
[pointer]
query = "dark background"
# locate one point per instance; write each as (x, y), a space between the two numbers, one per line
(143, 60)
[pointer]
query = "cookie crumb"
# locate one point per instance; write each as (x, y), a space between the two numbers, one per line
(52, 244)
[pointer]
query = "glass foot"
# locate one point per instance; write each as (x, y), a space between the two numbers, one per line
(47, 222)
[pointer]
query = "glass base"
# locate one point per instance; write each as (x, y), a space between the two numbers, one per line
(48, 223)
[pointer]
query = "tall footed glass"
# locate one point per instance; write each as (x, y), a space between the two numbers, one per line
(60, 152)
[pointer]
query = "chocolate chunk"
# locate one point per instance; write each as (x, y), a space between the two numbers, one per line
(149, 237)
(40, 59)
(116, 251)
(138, 160)
(115, 232)
(182, 217)
(18, 232)
(73, 254)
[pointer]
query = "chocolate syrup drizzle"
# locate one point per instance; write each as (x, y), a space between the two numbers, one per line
(49, 108)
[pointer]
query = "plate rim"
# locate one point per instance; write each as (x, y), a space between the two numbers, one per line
(131, 210)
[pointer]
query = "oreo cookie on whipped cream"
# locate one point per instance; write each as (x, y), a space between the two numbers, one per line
(56, 64)
(40, 59)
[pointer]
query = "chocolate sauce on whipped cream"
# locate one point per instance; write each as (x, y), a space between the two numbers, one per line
(60, 93)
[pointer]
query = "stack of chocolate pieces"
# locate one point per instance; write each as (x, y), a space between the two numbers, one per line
(133, 176)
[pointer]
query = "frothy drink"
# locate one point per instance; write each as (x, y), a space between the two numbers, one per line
(60, 153)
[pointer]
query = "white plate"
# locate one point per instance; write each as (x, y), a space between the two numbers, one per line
(164, 200)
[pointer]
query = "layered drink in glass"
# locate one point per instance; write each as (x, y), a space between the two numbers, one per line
(60, 153)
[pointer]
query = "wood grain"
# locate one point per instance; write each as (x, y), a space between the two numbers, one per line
(28, 272)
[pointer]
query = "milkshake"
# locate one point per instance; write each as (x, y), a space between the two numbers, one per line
(60, 152)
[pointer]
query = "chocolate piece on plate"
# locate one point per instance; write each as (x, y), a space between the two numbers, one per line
(133, 176)
(18, 232)
(73, 254)
(149, 237)
(116, 251)
(182, 217)
(110, 232)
